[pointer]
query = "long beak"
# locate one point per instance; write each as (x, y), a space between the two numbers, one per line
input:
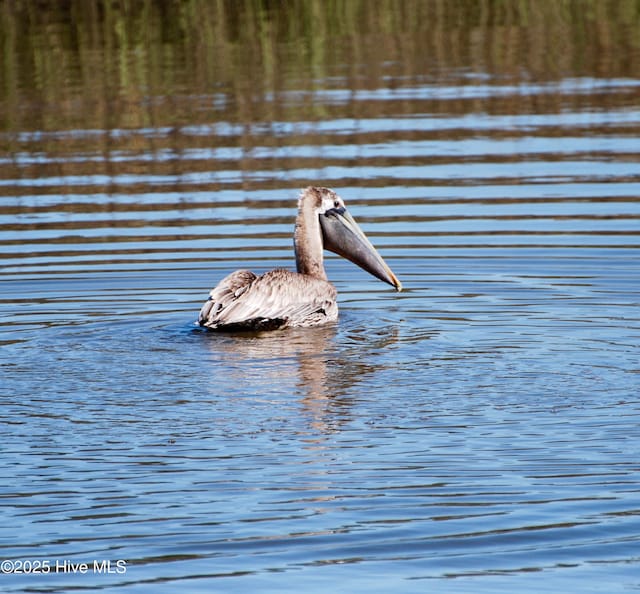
(343, 236)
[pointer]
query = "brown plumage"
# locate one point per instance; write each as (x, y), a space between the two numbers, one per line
(279, 298)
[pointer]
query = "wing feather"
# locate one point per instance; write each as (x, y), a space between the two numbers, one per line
(277, 298)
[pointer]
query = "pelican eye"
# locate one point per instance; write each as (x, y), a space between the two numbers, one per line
(336, 204)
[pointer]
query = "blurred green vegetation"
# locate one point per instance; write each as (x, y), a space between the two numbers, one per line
(107, 64)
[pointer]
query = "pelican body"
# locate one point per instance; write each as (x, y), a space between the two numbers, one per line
(280, 298)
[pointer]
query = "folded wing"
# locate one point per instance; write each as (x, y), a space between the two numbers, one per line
(244, 301)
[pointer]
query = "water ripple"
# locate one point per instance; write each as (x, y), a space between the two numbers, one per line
(478, 428)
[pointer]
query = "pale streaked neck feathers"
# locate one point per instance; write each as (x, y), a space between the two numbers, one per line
(307, 238)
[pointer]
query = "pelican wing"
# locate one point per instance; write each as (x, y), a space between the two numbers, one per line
(277, 298)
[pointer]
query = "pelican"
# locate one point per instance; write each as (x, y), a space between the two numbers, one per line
(281, 298)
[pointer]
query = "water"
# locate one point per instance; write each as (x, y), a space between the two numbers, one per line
(476, 432)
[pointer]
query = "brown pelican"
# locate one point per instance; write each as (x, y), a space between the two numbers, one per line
(279, 298)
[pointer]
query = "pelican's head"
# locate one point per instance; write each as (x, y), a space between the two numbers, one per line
(343, 236)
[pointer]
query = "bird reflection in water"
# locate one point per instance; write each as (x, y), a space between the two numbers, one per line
(319, 365)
